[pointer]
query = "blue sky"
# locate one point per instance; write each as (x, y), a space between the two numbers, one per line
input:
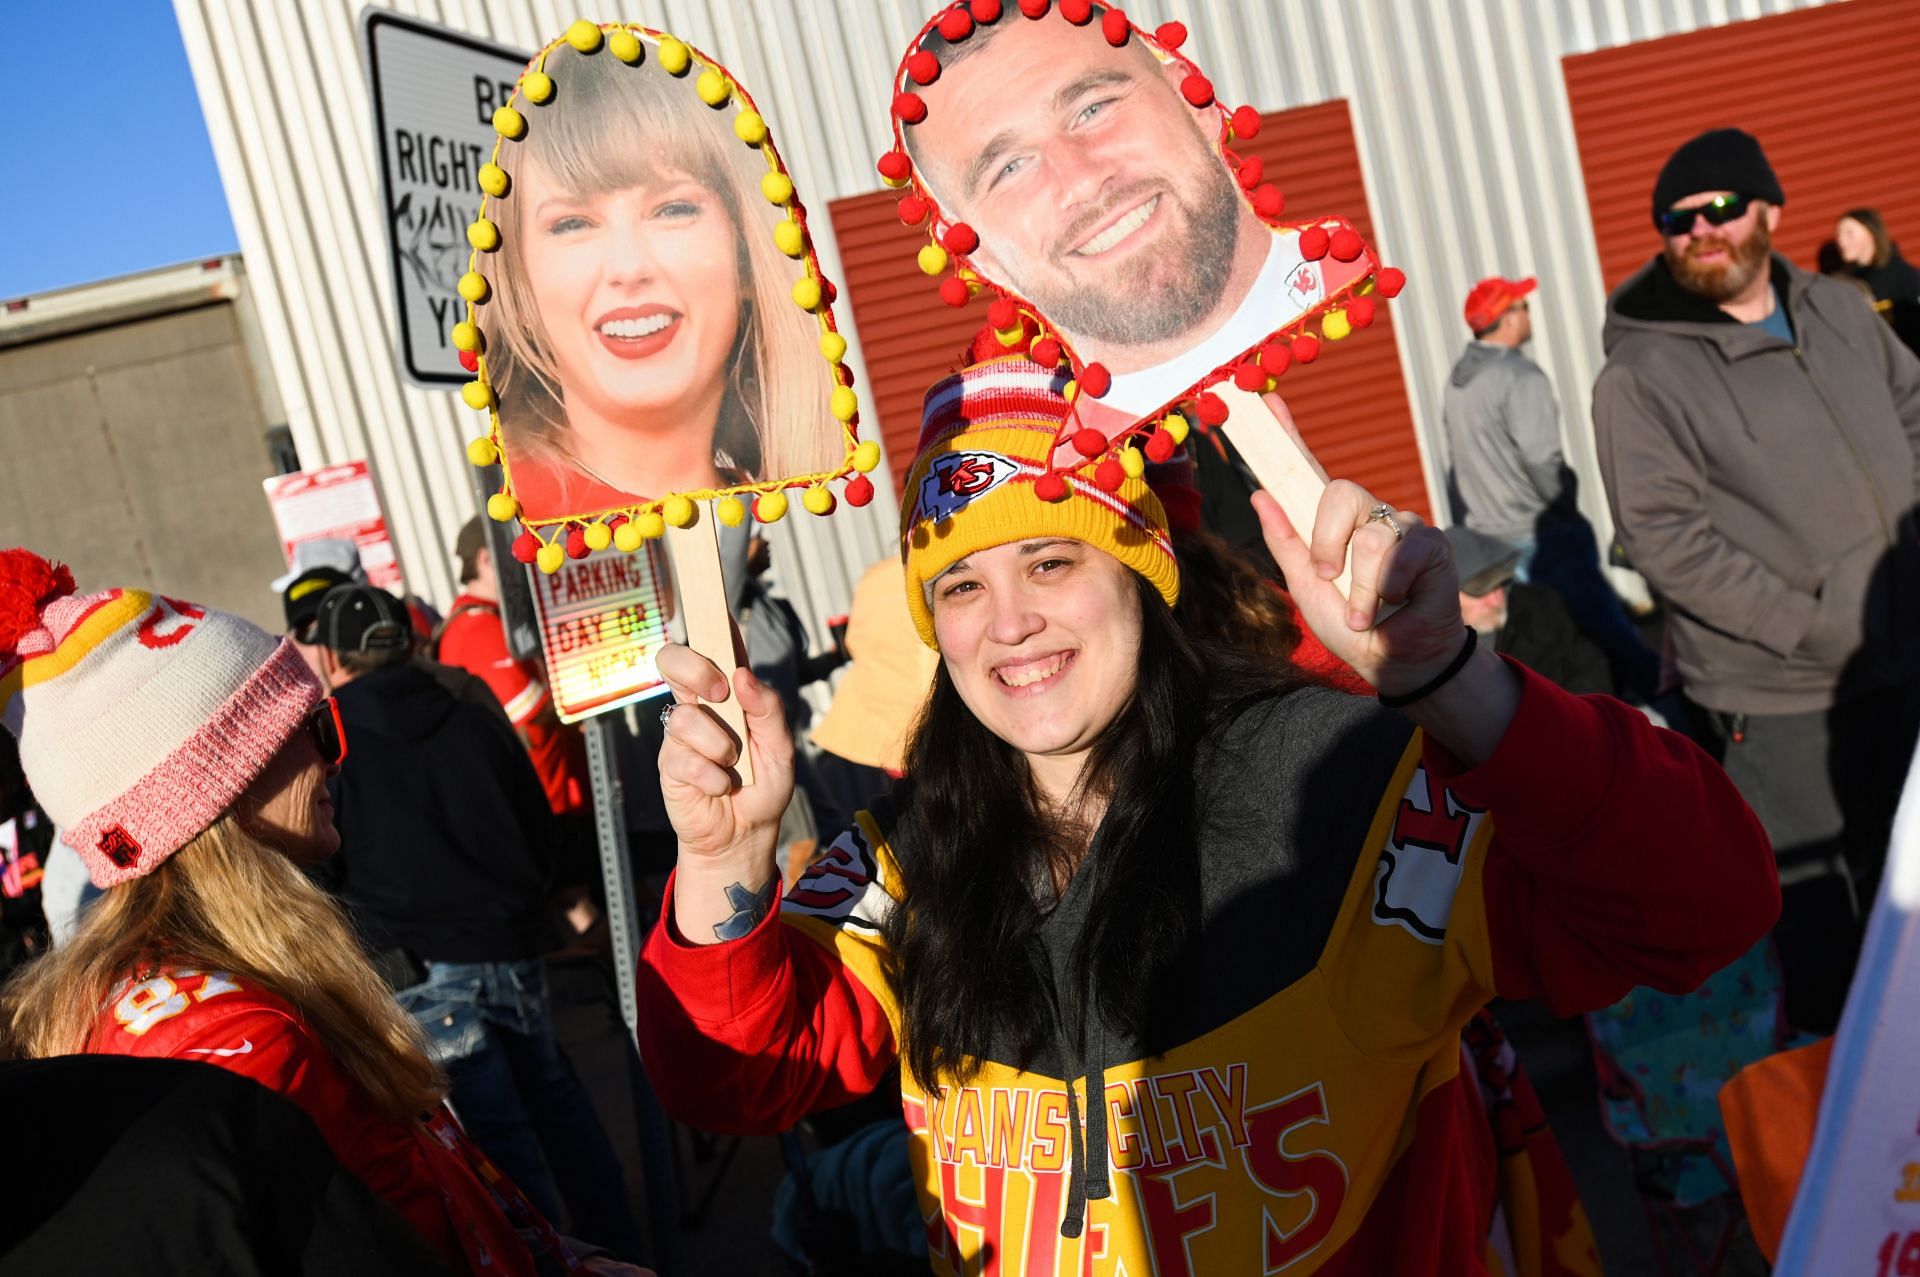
(107, 153)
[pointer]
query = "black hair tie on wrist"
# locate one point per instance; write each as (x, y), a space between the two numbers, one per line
(1439, 680)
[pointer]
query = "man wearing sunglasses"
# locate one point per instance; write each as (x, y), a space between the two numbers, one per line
(1758, 429)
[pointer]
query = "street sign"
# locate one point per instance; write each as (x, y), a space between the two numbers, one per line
(434, 94)
(337, 502)
(603, 620)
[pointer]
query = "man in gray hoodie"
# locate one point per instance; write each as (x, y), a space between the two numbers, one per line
(1759, 434)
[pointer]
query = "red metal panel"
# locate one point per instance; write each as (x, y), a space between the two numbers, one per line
(1821, 88)
(1351, 404)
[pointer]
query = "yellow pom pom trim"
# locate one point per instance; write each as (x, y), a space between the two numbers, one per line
(1334, 325)
(598, 536)
(626, 537)
(493, 180)
(1009, 336)
(750, 128)
(651, 524)
(833, 346)
(790, 239)
(678, 511)
(777, 187)
(509, 123)
(1070, 391)
(712, 87)
(817, 500)
(1133, 462)
(807, 294)
(465, 336)
(551, 556)
(675, 57)
(473, 287)
(477, 394)
(933, 259)
(771, 507)
(537, 86)
(1176, 427)
(624, 45)
(843, 403)
(481, 452)
(502, 508)
(730, 511)
(867, 456)
(483, 235)
(584, 36)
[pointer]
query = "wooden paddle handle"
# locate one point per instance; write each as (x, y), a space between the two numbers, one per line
(700, 590)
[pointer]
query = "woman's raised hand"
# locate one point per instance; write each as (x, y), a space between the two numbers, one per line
(711, 813)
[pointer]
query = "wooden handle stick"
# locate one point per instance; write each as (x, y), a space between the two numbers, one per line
(700, 589)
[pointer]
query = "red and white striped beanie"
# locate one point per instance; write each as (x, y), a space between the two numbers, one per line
(141, 718)
(997, 463)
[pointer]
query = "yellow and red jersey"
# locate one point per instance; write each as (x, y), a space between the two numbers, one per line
(1363, 896)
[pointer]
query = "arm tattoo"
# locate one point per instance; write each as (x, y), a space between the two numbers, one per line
(749, 907)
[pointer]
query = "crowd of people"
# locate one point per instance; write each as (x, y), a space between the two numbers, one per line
(1138, 883)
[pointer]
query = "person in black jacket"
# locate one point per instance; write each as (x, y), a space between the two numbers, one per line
(446, 863)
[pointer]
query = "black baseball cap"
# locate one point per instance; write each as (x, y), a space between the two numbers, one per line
(360, 618)
(302, 597)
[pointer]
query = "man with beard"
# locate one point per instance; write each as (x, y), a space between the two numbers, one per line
(1099, 196)
(1758, 430)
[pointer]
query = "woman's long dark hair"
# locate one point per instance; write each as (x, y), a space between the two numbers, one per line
(981, 853)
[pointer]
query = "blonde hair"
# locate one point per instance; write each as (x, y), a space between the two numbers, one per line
(228, 902)
(609, 127)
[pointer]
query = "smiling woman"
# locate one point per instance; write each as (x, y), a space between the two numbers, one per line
(643, 336)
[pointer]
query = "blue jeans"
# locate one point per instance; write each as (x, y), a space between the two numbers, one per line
(490, 1028)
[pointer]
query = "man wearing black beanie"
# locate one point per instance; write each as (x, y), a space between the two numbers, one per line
(1759, 432)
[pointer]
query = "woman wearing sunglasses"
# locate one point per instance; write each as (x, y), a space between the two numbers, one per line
(185, 753)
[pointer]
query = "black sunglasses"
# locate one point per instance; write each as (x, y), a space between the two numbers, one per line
(1718, 211)
(328, 733)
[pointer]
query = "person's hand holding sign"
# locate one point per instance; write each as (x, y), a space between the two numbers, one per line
(1421, 658)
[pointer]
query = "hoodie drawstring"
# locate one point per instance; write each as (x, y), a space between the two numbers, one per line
(1088, 1177)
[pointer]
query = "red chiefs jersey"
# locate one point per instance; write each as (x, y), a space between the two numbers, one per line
(475, 642)
(427, 1170)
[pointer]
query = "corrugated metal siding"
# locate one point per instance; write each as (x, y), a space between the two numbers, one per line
(1465, 140)
(1629, 119)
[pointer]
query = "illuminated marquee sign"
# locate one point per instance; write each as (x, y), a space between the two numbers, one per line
(602, 622)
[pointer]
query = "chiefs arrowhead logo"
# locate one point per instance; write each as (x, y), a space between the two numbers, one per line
(958, 478)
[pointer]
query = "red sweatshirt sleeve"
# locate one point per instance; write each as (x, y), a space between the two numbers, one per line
(750, 1035)
(1622, 855)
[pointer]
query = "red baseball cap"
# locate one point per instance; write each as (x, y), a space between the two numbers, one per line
(1491, 297)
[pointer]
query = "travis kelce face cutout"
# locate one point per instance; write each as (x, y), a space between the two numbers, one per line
(651, 326)
(1069, 160)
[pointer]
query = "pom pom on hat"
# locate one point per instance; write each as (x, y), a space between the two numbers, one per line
(27, 584)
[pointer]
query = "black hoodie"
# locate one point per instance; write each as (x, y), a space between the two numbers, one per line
(446, 838)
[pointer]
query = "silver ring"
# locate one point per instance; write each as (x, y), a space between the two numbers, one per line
(667, 713)
(1383, 513)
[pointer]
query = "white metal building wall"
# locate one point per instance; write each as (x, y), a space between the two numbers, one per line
(1459, 106)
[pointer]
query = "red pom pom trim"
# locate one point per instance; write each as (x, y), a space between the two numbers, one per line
(1035, 8)
(1252, 169)
(1268, 201)
(1360, 312)
(1345, 244)
(956, 25)
(1246, 123)
(526, 547)
(923, 67)
(913, 210)
(909, 107)
(954, 292)
(1089, 442)
(960, 239)
(1078, 12)
(859, 491)
(1171, 35)
(1109, 475)
(894, 165)
(1211, 408)
(470, 360)
(1313, 243)
(1306, 348)
(984, 11)
(1049, 486)
(1390, 281)
(1197, 89)
(1275, 358)
(28, 583)
(1095, 380)
(1114, 26)
(1250, 377)
(1160, 447)
(1002, 313)
(577, 544)
(1047, 351)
